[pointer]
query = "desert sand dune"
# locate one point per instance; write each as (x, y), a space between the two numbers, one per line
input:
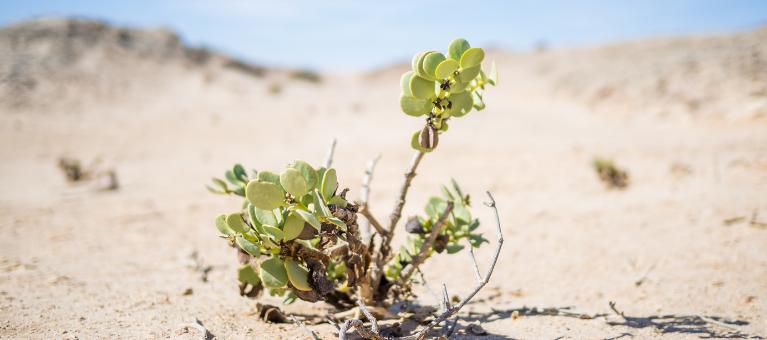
(686, 117)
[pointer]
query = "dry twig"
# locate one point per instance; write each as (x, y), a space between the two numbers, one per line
(383, 253)
(448, 311)
(331, 152)
(205, 333)
(308, 332)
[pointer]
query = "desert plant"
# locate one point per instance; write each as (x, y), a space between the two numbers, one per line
(298, 236)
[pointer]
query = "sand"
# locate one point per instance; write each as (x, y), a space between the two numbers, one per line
(77, 262)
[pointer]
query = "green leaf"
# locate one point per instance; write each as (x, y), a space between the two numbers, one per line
(297, 274)
(248, 246)
(446, 68)
(461, 212)
(273, 273)
(341, 225)
(223, 189)
(235, 222)
(457, 47)
(338, 201)
(309, 218)
(246, 274)
(232, 178)
(264, 195)
(294, 224)
(319, 205)
(265, 216)
(479, 104)
(435, 206)
(268, 243)
(472, 57)
(462, 104)
(477, 240)
(413, 106)
(422, 88)
(329, 184)
(431, 62)
(253, 216)
(420, 69)
(289, 298)
(405, 82)
(454, 248)
(468, 74)
(241, 174)
(306, 170)
(416, 59)
(293, 182)
(273, 232)
(222, 226)
(268, 176)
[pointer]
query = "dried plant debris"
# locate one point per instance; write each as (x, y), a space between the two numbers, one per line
(105, 178)
(613, 176)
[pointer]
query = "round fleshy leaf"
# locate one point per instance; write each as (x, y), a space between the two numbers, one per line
(462, 104)
(235, 222)
(472, 57)
(319, 205)
(416, 59)
(431, 62)
(457, 86)
(246, 274)
(413, 106)
(293, 182)
(297, 274)
(337, 200)
(422, 88)
(405, 81)
(309, 218)
(457, 47)
(329, 184)
(265, 216)
(264, 195)
(273, 232)
(268, 176)
(294, 224)
(273, 273)
(446, 68)
(222, 226)
(420, 70)
(306, 170)
(248, 246)
(468, 74)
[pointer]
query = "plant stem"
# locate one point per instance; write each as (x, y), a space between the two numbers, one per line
(383, 254)
(426, 246)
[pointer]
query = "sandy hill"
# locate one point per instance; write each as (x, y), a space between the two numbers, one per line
(683, 116)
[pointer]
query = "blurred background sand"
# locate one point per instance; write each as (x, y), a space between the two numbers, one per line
(685, 116)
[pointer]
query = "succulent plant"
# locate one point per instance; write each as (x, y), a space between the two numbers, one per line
(444, 86)
(282, 214)
(296, 235)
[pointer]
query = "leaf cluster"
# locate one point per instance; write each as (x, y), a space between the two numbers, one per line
(280, 210)
(443, 86)
(459, 225)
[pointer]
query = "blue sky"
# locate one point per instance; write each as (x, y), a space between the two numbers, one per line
(356, 35)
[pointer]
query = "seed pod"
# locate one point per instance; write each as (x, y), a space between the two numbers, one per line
(413, 226)
(425, 137)
(440, 243)
(307, 233)
(428, 138)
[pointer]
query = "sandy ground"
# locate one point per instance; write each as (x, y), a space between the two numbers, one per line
(76, 262)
